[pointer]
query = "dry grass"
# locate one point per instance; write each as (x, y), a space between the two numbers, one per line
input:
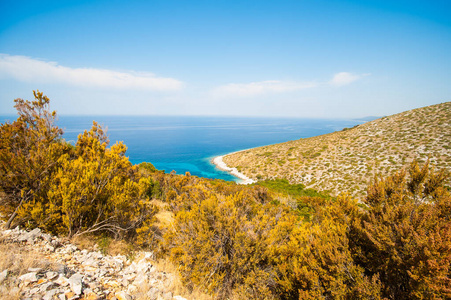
(85, 242)
(17, 260)
(177, 287)
(106, 245)
(164, 217)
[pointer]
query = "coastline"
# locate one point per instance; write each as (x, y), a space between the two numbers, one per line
(221, 165)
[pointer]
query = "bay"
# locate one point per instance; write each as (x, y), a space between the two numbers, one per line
(187, 144)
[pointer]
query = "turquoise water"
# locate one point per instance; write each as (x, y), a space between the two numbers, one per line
(187, 144)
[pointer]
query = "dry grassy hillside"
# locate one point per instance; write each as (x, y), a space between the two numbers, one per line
(347, 160)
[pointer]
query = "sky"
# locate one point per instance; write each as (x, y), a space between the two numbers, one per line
(308, 59)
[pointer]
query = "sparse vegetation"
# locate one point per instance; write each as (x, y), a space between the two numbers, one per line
(392, 141)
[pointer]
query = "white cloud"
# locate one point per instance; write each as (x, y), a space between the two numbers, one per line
(260, 88)
(345, 78)
(32, 70)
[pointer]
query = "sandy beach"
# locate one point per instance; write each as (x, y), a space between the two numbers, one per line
(220, 164)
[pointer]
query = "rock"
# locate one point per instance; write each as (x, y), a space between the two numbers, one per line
(69, 295)
(140, 281)
(152, 294)
(130, 277)
(132, 289)
(46, 237)
(51, 275)
(123, 296)
(91, 262)
(124, 282)
(131, 268)
(179, 298)
(61, 280)
(55, 243)
(76, 284)
(149, 255)
(49, 295)
(31, 236)
(47, 286)
(92, 296)
(36, 270)
(34, 291)
(96, 254)
(81, 274)
(61, 269)
(49, 248)
(71, 248)
(3, 275)
(29, 277)
(93, 285)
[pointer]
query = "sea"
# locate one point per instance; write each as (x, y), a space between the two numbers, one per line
(189, 143)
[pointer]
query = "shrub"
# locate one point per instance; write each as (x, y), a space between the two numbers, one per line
(405, 235)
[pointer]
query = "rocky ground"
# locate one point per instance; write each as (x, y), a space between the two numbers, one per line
(35, 265)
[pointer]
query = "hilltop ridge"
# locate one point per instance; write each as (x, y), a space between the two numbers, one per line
(347, 160)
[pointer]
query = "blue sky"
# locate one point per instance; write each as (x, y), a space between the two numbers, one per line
(328, 59)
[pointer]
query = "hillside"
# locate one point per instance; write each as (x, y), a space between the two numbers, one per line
(347, 160)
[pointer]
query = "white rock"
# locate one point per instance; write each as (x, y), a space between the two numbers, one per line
(153, 269)
(140, 280)
(34, 291)
(31, 236)
(76, 284)
(143, 267)
(63, 281)
(167, 296)
(91, 262)
(123, 296)
(3, 275)
(179, 298)
(70, 248)
(29, 277)
(152, 294)
(49, 295)
(36, 270)
(130, 277)
(49, 248)
(56, 243)
(148, 255)
(47, 237)
(51, 275)
(131, 268)
(132, 289)
(47, 286)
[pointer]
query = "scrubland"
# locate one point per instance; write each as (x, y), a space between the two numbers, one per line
(348, 160)
(271, 240)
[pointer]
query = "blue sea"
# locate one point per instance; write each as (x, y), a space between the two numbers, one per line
(187, 144)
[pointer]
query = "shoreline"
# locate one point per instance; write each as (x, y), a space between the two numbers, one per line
(221, 165)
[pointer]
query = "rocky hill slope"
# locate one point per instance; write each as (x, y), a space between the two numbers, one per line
(347, 160)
